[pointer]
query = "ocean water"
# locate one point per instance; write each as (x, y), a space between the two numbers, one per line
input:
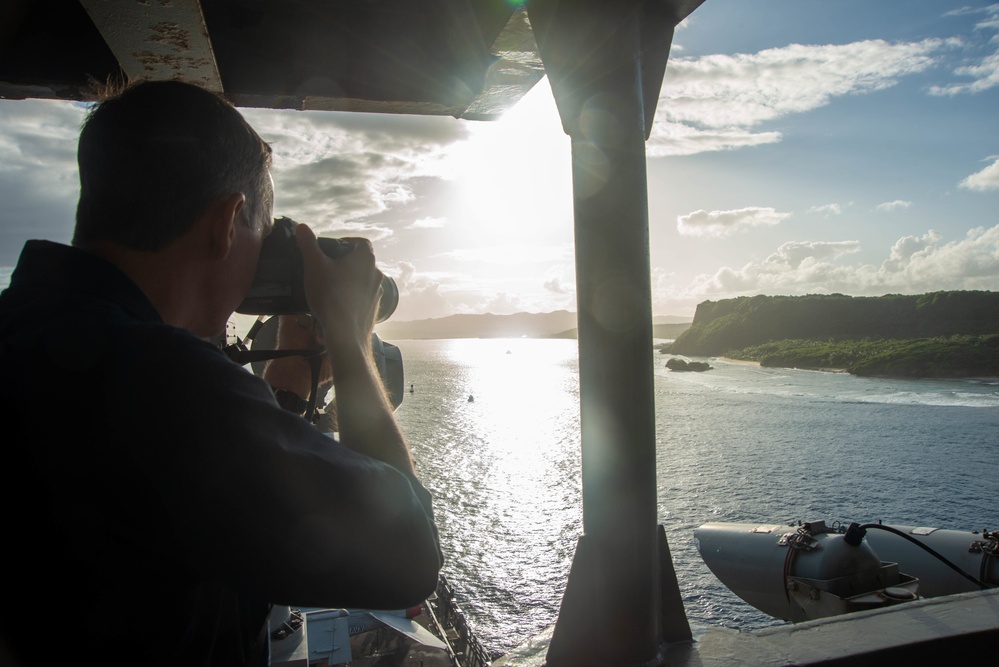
(494, 428)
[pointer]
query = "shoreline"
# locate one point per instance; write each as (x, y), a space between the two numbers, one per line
(745, 362)
(969, 378)
(742, 362)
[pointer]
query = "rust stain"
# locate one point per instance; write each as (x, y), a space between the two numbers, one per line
(170, 34)
(151, 62)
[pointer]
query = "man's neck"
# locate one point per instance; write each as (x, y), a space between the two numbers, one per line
(171, 281)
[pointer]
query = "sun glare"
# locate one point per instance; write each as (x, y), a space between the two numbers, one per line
(514, 174)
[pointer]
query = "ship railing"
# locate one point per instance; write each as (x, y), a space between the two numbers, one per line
(453, 627)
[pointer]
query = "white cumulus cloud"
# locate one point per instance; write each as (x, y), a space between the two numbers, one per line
(914, 264)
(724, 223)
(986, 179)
(794, 253)
(908, 247)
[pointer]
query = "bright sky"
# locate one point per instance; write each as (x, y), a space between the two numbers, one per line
(800, 146)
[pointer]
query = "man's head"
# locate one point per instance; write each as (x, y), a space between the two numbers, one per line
(153, 158)
(175, 190)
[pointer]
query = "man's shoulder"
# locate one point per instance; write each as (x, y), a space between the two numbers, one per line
(57, 285)
(172, 351)
(60, 333)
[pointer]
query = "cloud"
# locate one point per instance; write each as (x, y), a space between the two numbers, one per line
(678, 138)
(914, 264)
(713, 102)
(39, 181)
(39, 134)
(428, 223)
(960, 11)
(420, 296)
(991, 19)
(332, 191)
(985, 75)
(688, 21)
(437, 293)
(334, 171)
(986, 179)
(890, 206)
(503, 304)
(985, 72)
(826, 209)
(555, 285)
(795, 253)
(421, 301)
(331, 169)
(908, 247)
(725, 223)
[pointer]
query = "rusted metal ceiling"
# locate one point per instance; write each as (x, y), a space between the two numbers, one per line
(465, 58)
(470, 59)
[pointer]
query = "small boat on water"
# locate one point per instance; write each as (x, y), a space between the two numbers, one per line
(802, 572)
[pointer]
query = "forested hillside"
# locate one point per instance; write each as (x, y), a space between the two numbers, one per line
(731, 324)
(942, 334)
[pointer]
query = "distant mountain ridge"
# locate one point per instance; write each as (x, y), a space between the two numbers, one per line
(557, 324)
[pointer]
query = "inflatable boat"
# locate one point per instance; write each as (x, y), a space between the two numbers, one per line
(801, 572)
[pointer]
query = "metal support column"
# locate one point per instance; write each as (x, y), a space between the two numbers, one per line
(611, 613)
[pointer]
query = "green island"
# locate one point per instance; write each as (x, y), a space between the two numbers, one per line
(936, 335)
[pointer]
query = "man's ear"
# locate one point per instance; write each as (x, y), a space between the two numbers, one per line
(225, 215)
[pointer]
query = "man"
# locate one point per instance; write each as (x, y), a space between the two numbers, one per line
(158, 498)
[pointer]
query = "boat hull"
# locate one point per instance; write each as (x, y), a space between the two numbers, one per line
(757, 563)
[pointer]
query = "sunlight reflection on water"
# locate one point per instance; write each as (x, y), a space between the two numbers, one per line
(738, 443)
(504, 470)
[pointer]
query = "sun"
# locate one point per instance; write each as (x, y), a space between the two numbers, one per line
(514, 178)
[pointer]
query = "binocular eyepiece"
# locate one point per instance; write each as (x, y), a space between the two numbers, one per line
(279, 284)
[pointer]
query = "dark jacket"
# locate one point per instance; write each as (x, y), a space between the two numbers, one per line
(158, 498)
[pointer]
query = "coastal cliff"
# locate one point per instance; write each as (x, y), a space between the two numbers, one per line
(940, 334)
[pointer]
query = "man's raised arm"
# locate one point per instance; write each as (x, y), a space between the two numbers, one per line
(343, 295)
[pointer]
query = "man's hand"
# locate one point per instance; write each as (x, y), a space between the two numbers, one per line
(343, 294)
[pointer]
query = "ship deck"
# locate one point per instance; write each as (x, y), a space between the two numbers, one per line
(939, 630)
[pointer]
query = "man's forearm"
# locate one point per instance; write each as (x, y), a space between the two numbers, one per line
(346, 316)
(365, 417)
